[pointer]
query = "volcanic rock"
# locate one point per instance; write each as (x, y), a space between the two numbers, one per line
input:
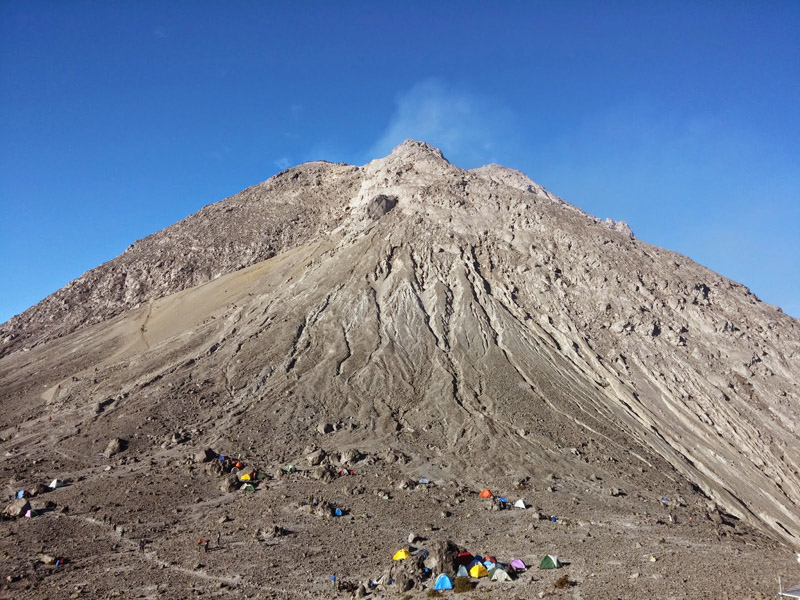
(469, 326)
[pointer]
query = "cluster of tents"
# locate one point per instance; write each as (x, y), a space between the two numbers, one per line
(477, 567)
(502, 501)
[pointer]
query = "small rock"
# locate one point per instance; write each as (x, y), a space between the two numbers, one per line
(324, 428)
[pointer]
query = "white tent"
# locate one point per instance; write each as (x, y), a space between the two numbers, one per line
(56, 483)
(520, 503)
(500, 575)
(792, 591)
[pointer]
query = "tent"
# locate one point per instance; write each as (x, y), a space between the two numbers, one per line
(22, 494)
(518, 564)
(248, 487)
(791, 592)
(401, 554)
(489, 564)
(56, 483)
(464, 558)
(443, 582)
(289, 469)
(424, 481)
(485, 494)
(550, 562)
(500, 575)
(520, 503)
(462, 572)
(245, 477)
(478, 571)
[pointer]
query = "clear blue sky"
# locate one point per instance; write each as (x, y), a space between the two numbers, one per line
(120, 118)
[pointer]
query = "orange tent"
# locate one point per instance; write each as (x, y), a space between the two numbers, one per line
(485, 494)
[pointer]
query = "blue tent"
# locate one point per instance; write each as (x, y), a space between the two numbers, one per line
(20, 494)
(443, 582)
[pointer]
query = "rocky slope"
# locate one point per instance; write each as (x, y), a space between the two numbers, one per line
(468, 326)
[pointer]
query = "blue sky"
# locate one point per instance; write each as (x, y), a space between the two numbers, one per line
(119, 118)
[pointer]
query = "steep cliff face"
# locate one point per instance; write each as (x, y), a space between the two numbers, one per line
(469, 319)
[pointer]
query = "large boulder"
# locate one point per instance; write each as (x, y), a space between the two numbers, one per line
(316, 457)
(442, 558)
(229, 484)
(17, 508)
(350, 456)
(323, 473)
(115, 446)
(204, 456)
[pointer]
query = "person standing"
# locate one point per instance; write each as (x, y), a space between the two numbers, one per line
(219, 535)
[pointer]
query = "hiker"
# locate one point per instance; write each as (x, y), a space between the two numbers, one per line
(121, 531)
(205, 546)
(141, 546)
(219, 535)
(199, 543)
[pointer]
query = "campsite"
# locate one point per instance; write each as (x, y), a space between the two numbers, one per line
(355, 523)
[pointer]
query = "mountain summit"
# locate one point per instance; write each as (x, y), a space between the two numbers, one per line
(408, 318)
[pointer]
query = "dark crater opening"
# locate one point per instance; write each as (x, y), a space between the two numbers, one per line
(380, 205)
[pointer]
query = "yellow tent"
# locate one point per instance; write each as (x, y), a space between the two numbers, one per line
(401, 554)
(478, 571)
(245, 477)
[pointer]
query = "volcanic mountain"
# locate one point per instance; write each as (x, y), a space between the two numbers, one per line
(400, 320)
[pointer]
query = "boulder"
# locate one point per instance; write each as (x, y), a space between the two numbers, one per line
(230, 483)
(350, 456)
(442, 558)
(17, 508)
(315, 457)
(324, 428)
(205, 456)
(115, 446)
(40, 489)
(322, 473)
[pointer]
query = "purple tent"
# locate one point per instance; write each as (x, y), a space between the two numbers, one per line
(518, 564)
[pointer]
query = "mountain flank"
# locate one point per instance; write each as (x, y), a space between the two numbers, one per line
(407, 319)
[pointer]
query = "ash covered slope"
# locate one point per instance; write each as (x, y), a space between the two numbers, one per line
(483, 326)
(289, 209)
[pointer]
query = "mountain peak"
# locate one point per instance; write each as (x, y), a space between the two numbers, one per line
(416, 149)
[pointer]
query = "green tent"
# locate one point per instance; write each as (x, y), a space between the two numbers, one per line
(550, 562)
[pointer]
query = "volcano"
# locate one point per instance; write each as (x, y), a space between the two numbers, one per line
(389, 340)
